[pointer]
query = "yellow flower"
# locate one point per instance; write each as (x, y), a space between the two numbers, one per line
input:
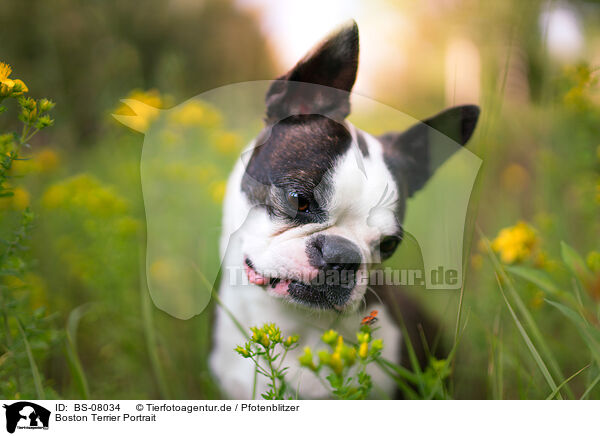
(515, 244)
(19, 88)
(10, 87)
(6, 86)
(5, 71)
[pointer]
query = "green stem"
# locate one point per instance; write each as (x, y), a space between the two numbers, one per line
(273, 376)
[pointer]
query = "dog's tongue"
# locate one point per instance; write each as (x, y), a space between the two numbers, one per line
(277, 286)
(254, 277)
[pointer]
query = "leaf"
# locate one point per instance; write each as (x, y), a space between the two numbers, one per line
(574, 262)
(590, 335)
(535, 276)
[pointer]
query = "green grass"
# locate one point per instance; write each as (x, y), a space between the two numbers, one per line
(78, 321)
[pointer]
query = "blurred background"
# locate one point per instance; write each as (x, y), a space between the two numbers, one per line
(89, 328)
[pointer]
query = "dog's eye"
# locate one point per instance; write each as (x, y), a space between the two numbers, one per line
(388, 245)
(298, 202)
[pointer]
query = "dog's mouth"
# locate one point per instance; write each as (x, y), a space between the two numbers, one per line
(318, 293)
(277, 285)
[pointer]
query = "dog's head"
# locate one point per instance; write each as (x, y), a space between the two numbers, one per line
(321, 220)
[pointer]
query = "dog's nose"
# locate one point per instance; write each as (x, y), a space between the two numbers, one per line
(330, 252)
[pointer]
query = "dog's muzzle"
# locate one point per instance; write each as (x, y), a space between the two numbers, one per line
(337, 261)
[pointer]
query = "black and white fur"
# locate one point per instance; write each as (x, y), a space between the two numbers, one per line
(307, 154)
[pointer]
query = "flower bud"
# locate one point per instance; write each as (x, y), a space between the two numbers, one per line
(44, 121)
(45, 105)
(291, 340)
(324, 357)
(349, 355)
(377, 345)
(306, 359)
(242, 351)
(329, 337)
(363, 337)
(363, 350)
(19, 88)
(336, 363)
(265, 341)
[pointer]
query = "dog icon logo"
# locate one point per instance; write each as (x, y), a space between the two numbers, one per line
(26, 415)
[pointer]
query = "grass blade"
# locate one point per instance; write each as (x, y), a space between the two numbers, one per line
(37, 380)
(536, 355)
(150, 335)
(590, 388)
(560, 386)
(526, 315)
(73, 360)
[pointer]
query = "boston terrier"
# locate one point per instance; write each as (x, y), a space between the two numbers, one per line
(305, 204)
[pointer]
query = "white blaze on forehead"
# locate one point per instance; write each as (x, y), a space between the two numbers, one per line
(365, 202)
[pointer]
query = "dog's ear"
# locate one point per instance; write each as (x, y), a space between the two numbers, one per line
(332, 66)
(413, 156)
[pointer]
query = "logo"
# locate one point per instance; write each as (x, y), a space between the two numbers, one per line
(26, 415)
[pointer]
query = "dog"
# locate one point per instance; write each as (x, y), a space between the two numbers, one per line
(300, 206)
